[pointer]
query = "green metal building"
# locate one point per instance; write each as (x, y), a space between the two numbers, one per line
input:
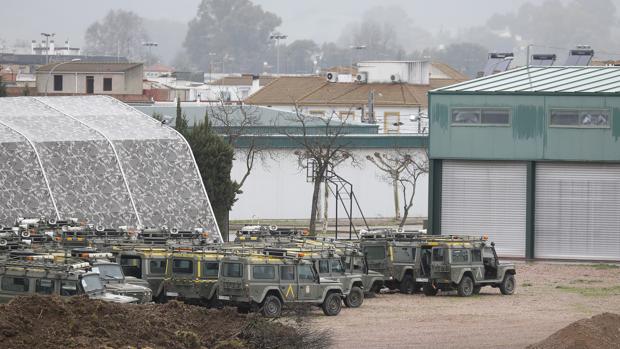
(530, 157)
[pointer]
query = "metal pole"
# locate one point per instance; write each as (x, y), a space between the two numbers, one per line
(337, 201)
(350, 212)
(527, 59)
(278, 56)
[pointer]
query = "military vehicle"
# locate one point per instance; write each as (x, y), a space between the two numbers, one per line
(146, 263)
(115, 281)
(266, 233)
(267, 284)
(466, 266)
(192, 277)
(393, 254)
(40, 276)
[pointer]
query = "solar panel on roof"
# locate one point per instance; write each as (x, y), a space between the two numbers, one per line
(497, 63)
(580, 57)
(543, 60)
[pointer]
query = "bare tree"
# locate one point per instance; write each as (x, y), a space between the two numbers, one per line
(403, 171)
(318, 151)
(234, 119)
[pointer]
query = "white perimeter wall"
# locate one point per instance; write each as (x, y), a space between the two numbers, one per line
(277, 188)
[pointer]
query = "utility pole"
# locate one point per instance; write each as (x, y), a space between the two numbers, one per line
(277, 37)
(150, 45)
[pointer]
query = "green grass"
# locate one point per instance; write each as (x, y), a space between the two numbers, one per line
(584, 281)
(591, 291)
(604, 266)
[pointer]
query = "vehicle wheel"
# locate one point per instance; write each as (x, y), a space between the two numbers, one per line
(355, 298)
(272, 307)
(477, 289)
(507, 287)
(429, 290)
(407, 286)
(466, 286)
(332, 304)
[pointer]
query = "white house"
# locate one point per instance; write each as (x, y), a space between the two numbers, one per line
(392, 94)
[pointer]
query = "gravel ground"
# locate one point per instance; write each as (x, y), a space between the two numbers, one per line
(549, 296)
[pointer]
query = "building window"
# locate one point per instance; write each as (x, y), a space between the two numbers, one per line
(481, 116)
(107, 84)
(57, 82)
(391, 122)
(317, 112)
(586, 118)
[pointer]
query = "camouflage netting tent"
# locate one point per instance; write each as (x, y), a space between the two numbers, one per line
(99, 160)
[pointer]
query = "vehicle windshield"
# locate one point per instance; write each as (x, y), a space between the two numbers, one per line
(109, 271)
(91, 283)
(375, 252)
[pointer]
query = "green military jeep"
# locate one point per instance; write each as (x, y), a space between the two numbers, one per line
(394, 256)
(267, 283)
(466, 266)
(191, 277)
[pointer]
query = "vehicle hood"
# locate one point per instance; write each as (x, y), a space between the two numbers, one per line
(125, 287)
(113, 298)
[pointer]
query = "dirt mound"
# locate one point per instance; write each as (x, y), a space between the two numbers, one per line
(53, 322)
(600, 331)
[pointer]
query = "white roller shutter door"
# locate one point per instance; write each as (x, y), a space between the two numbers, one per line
(577, 211)
(486, 197)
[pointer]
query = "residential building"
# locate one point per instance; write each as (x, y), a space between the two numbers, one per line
(123, 80)
(530, 157)
(392, 94)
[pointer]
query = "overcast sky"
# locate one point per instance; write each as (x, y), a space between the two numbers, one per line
(320, 20)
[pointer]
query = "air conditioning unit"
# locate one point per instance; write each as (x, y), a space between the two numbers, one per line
(395, 78)
(332, 77)
(362, 78)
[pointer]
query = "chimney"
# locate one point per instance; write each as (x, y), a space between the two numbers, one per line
(255, 84)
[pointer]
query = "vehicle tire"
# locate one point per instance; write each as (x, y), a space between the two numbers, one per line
(332, 304)
(466, 286)
(407, 286)
(507, 287)
(271, 307)
(3, 242)
(429, 290)
(25, 234)
(477, 289)
(355, 298)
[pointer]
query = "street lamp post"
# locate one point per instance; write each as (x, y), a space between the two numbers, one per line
(355, 48)
(52, 71)
(47, 43)
(277, 37)
(150, 45)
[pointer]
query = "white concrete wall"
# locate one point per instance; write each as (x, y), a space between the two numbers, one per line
(277, 188)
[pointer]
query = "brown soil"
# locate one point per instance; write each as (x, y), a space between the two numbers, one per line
(52, 322)
(600, 331)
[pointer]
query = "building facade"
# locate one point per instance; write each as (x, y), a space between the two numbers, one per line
(81, 78)
(530, 157)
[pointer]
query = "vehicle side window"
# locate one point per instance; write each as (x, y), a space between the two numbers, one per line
(263, 272)
(476, 256)
(157, 267)
(44, 286)
(182, 266)
(305, 272)
(287, 272)
(323, 266)
(234, 270)
(375, 252)
(211, 269)
(438, 254)
(15, 284)
(460, 256)
(68, 288)
(336, 266)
